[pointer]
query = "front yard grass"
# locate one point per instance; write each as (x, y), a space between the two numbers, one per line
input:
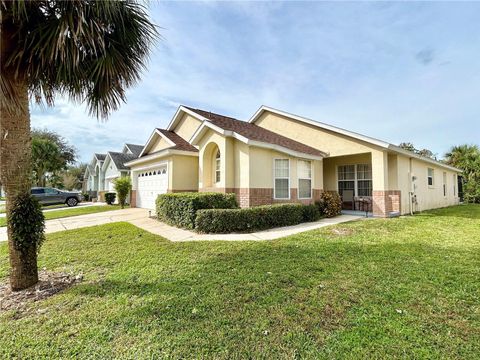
(396, 288)
(67, 212)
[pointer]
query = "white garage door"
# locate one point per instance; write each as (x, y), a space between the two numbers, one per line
(110, 185)
(150, 184)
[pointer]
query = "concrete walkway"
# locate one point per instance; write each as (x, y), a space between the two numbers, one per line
(174, 234)
(139, 218)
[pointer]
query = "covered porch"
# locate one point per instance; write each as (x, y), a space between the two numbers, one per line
(366, 182)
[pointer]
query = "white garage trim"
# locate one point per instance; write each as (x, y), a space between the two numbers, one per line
(151, 181)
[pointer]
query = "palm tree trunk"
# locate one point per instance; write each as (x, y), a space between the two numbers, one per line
(15, 157)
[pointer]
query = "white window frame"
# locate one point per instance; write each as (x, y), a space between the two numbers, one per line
(299, 178)
(433, 178)
(444, 178)
(454, 184)
(355, 179)
(274, 178)
(218, 161)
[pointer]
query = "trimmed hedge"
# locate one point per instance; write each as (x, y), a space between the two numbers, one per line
(255, 218)
(311, 213)
(180, 209)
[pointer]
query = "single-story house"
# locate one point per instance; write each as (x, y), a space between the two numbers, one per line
(278, 157)
(93, 178)
(114, 165)
(102, 171)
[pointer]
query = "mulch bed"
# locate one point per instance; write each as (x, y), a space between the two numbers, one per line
(49, 284)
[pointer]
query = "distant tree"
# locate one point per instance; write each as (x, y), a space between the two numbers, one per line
(46, 159)
(423, 152)
(67, 151)
(69, 181)
(467, 158)
(73, 176)
(427, 153)
(408, 146)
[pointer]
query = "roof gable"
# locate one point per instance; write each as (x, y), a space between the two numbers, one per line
(118, 159)
(133, 149)
(252, 134)
(174, 141)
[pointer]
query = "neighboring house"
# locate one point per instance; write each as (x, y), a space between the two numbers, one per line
(93, 179)
(278, 157)
(114, 165)
(105, 168)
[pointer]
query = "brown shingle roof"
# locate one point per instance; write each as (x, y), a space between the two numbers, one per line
(256, 133)
(180, 143)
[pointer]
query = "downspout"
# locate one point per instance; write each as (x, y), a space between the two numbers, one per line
(410, 192)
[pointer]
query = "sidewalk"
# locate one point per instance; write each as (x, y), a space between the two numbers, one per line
(139, 218)
(82, 204)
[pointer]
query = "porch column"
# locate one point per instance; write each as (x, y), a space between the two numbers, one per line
(379, 183)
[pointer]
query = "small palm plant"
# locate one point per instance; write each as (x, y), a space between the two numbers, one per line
(88, 51)
(123, 185)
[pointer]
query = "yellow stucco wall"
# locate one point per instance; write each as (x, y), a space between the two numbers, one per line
(187, 126)
(207, 145)
(261, 169)
(244, 166)
(241, 158)
(184, 173)
(428, 197)
(158, 144)
(324, 140)
(403, 181)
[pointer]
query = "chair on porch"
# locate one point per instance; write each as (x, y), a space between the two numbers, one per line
(363, 203)
(347, 199)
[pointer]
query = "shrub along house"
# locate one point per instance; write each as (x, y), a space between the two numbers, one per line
(277, 157)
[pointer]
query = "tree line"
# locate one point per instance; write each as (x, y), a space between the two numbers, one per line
(54, 161)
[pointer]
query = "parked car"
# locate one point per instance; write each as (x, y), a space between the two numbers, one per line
(50, 196)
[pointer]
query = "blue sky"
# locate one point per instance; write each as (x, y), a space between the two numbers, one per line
(395, 71)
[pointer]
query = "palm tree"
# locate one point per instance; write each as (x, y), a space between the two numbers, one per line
(89, 51)
(462, 156)
(467, 158)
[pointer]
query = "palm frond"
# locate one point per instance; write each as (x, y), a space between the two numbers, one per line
(91, 51)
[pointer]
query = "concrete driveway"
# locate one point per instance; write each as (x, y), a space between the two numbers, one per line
(76, 222)
(65, 207)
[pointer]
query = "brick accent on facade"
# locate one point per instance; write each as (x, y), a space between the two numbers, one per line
(247, 197)
(385, 202)
(133, 198)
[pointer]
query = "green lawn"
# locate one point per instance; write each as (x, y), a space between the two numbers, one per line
(73, 211)
(398, 288)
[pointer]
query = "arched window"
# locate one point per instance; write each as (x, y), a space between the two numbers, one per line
(217, 167)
